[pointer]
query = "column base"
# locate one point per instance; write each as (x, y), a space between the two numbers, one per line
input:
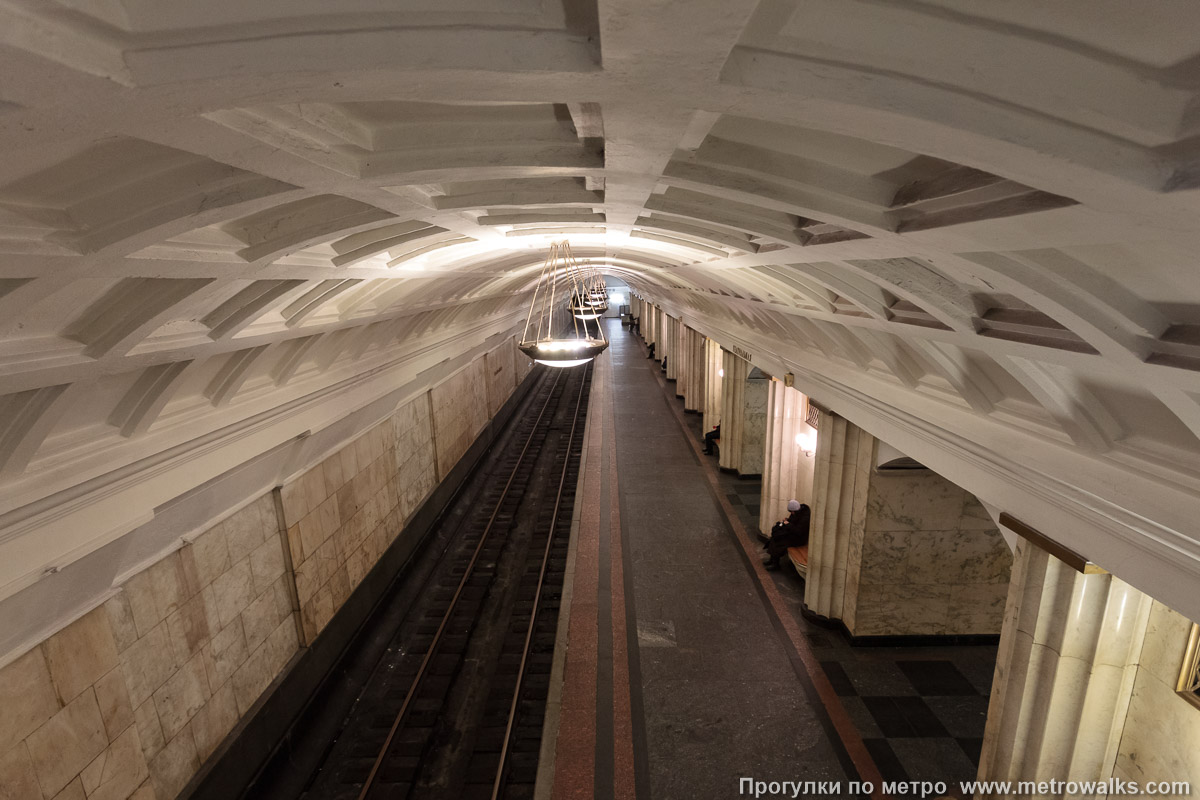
(903, 640)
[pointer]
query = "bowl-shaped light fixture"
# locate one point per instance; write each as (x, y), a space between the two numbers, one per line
(563, 279)
(587, 308)
(564, 352)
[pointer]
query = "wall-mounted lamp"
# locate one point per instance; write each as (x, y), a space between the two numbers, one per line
(721, 373)
(807, 442)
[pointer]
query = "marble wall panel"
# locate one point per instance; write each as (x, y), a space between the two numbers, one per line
(754, 426)
(1161, 735)
(129, 700)
(925, 538)
(913, 500)
(343, 511)
(100, 711)
(899, 553)
(459, 413)
(1084, 687)
(501, 375)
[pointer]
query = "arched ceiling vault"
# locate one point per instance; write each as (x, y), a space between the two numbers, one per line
(970, 229)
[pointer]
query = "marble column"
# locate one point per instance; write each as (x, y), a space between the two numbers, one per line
(713, 369)
(671, 347)
(677, 367)
(845, 456)
(743, 416)
(691, 384)
(1065, 672)
(732, 398)
(787, 470)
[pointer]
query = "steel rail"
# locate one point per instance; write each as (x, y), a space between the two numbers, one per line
(430, 652)
(497, 785)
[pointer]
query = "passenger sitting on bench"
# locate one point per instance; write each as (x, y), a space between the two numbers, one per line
(710, 439)
(651, 346)
(790, 532)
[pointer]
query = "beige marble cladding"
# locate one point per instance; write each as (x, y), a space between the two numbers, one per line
(787, 469)
(899, 553)
(840, 486)
(1084, 686)
(130, 699)
(460, 411)
(343, 513)
(1160, 738)
(522, 365)
(501, 375)
(930, 560)
(754, 425)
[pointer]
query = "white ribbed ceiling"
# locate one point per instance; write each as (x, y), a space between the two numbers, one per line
(970, 227)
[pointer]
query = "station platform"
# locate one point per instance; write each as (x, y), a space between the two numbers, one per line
(685, 667)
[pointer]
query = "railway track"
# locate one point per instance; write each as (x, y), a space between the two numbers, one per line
(455, 707)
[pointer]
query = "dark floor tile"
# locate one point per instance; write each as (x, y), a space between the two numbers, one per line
(978, 665)
(876, 676)
(864, 723)
(819, 640)
(733, 498)
(962, 716)
(889, 766)
(934, 759)
(890, 719)
(936, 678)
(972, 748)
(920, 717)
(839, 679)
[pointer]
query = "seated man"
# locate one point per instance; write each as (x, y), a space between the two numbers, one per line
(710, 439)
(651, 346)
(790, 532)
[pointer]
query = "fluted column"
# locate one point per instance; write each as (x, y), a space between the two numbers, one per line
(732, 398)
(693, 395)
(713, 368)
(743, 411)
(671, 347)
(787, 471)
(1065, 672)
(845, 456)
(675, 366)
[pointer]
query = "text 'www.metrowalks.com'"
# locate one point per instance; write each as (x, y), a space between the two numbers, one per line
(1113, 787)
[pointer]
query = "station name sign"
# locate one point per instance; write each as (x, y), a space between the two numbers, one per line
(737, 351)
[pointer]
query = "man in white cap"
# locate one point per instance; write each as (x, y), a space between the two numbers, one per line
(790, 532)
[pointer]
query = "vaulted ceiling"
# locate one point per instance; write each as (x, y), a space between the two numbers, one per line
(970, 227)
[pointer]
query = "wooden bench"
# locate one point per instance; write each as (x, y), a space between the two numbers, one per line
(799, 559)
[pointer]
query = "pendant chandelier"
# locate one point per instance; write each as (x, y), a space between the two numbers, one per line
(592, 301)
(567, 341)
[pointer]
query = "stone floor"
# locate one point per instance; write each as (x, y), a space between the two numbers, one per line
(691, 668)
(920, 710)
(722, 698)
